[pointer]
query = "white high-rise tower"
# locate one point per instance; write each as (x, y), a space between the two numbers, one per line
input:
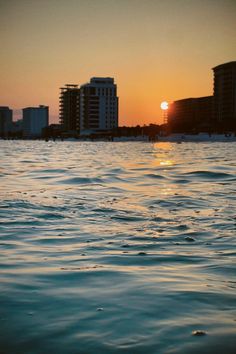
(98, 105)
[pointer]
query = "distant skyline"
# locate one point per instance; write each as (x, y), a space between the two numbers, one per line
(156, 50)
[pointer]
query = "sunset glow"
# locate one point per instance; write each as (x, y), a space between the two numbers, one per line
(151, 48)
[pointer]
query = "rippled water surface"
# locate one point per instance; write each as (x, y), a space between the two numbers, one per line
(117, 247)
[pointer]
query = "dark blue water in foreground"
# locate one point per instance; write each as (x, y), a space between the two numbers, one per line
(117, 247)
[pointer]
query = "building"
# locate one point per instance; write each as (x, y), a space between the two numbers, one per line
(225, 96)
(69, 108)
(34, 120)
(5, 121)
(98, 105)
(191, 114)
(52, 131)
(17, 129)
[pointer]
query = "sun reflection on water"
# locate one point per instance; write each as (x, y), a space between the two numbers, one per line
(166, 163)
(163, 145)
(162, 153)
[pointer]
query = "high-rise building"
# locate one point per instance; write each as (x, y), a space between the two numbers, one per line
(34, 120)
(5, 121)
(191, 114)
(98, 104)
(225, 95)
(69, 107)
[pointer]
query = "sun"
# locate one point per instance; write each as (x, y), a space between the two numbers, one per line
(164, 105)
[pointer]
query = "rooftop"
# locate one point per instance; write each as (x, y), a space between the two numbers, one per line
(229, 64)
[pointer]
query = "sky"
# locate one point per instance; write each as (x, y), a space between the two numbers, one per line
(157, 50)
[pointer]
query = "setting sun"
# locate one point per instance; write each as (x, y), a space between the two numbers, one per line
(164, 105)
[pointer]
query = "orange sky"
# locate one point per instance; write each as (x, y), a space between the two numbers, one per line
(156, 50)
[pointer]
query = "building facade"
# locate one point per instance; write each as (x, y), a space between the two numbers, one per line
(69, 108)
(34, 120)
(5, 121)
(98, 105)
(225, 96)
(191, 114)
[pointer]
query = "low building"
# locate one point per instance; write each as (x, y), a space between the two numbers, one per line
(5, 121)
(191, 114)
(52, 131)
(17, 129)
(34, 120)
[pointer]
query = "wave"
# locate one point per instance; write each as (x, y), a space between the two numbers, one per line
(210, 175)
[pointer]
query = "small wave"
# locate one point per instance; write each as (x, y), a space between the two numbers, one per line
(210, 174)
(103, 210)
(53, 170)
(18, 204)
(127, 218)
(80, 180)
(155, 176)
(50, 216)
(181, 181)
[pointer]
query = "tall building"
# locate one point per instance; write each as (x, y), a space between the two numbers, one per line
(34, 120)
(225, 95)
(69, 107)
(191, 114)
(98, 104)
(5, 121)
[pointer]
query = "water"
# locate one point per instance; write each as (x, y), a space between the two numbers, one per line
(117, 247)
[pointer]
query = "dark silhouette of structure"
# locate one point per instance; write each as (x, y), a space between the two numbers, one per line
(52, 131)
(225, 96)
(210, 113)
(191, 115)
(34, 120)
(69, 108)
(5, 121)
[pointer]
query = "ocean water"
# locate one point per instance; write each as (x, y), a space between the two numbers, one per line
(117, 247)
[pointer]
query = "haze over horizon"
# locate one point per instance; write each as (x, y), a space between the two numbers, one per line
(156, 50)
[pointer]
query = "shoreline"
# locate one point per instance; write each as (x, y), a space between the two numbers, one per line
(175, 138)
